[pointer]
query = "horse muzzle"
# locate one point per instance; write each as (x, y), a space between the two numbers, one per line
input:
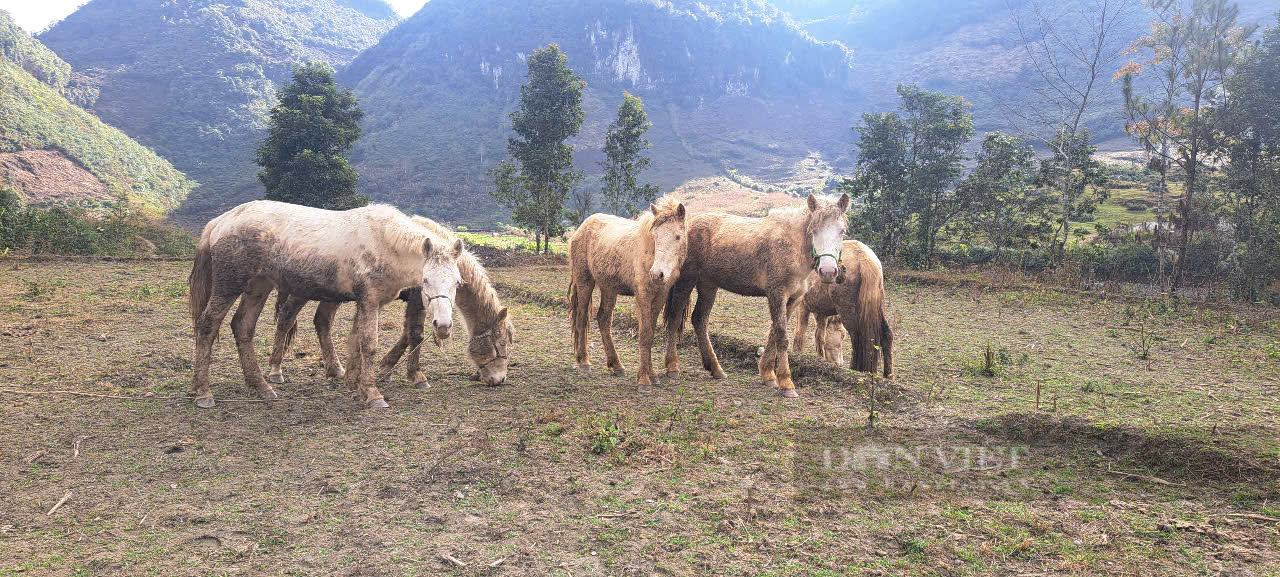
(827, 272)
(441, 329)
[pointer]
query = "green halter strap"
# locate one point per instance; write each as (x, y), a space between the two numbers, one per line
(817, 257)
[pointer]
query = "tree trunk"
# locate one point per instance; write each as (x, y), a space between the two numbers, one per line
(1179, 268)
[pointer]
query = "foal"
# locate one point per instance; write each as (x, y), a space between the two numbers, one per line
(367, 255)
(640, 258)
(769, 257)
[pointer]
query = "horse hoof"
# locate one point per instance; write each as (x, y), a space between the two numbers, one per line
(584, 369)
(788, 393)
(644, 389)
(423, 385)
(771, 383)
(268, 395)
(618, 372)
(376, 404)
(276, 379)
(205, 402)
(673, 375)
(718, 375)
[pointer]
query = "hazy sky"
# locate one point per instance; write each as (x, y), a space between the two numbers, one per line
(34, 15)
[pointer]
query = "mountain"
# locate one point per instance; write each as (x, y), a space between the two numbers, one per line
(738, 92)
(194, 79)
(54, 152)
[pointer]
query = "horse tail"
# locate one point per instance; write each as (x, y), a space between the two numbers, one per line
(871, 323)
(200, 281)
(886, 345)
(572, 301)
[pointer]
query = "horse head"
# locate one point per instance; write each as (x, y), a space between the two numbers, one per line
(826, 227)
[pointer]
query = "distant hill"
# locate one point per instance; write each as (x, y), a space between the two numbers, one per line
(726, 90)
(53, 152)
(194, 79)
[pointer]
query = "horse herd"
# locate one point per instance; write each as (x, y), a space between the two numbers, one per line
(795, 257)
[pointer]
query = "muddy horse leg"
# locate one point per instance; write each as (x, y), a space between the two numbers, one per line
(802, 327)
(206, 332)
(677, 310)
(362, 343)
(701, 316)
(287, 310)
(243, 325)
(415, 319)
(325, 312)
(648, 306)
(604, 320)
(774, 368)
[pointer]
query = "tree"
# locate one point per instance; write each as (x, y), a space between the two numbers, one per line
(535, 180)
(1001, 205)
(623, 144)
(1194, 44)
(312, 127)
(1251, 130)
(1079, 180)
(1069, 46)
(908, 164)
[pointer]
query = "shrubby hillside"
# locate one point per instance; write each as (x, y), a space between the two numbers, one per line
(194, 78)
(53, 152)
(727, 90)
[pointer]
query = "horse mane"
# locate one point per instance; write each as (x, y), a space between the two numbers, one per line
(475, 280)
(668, 208)
(400, 231)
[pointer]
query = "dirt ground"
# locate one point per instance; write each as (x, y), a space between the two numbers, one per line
(1153, 449)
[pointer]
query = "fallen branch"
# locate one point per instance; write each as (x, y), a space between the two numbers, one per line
(615, 515)
(75, 445)
(59, 504)
(33, 456)
(496, 563)
(140, 398)
(452, 559)
(1148, 478)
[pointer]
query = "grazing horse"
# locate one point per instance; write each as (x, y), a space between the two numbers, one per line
(482, 310)
(367, 255)
(641, 258)
(769, 257)
(857, 297)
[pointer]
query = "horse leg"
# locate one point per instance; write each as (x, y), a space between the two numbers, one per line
(886, 347)
(646, 318)
(206, 332)
(362, 343)
(774, 362)
(243, 326)
(802, 327)
(604, 319)
(580, 314)
(325, 312)
(701, 315)
(415, 319)
(286, 328)
(819, 334)
(677, 309)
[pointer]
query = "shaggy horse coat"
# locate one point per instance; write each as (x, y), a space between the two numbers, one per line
(639, 258)
(482, 310)
(367, 255)
(858, 298)
(770, 257)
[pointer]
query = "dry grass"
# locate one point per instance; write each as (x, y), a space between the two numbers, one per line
(560, 474)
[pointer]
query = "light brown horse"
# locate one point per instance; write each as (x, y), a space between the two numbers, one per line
(482, 310)
(770, 257)
(828, 338)
(640, 258)
(857, 297)
(367, 255)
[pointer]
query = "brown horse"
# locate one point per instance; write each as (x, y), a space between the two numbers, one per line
(482, 310)
(640, 258)
(828, 338)
(857, 297)
(367, 255)
(769, 257)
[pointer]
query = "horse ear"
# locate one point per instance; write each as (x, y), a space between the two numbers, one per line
(680, 210)
(502, 314)
(813, 202)
(457, 248)
(653, 208)
(426, 246)
(844, 202)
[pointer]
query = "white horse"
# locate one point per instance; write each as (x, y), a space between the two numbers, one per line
(367, 255)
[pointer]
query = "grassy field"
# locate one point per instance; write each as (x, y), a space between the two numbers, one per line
(1153, 450)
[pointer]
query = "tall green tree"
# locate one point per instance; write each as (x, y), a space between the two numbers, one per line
(1251, 199)
(908, 164)
(312, 127)
(535, 179)
(1194, 44)
(1001, 205)
(1079, 180)
(624, 144)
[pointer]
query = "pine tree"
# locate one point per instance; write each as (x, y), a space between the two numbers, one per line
(535, 180)
(623, 144)
(313, 126)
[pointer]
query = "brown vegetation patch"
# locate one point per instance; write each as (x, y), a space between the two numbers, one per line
(493, 257)
(46, 176)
